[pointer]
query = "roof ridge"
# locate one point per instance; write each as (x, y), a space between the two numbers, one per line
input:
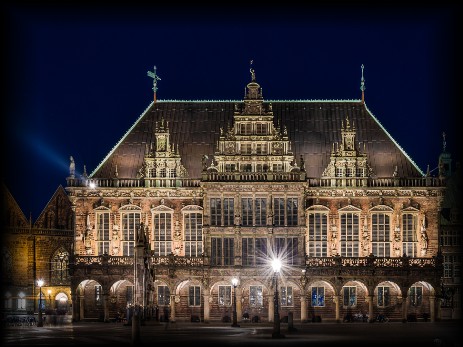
(270, 100)
(394, 141)
(122, 139)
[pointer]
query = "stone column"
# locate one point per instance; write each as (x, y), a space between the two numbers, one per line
(271, 307)
(337, 299)
(370, 308)
(404, 308)
(303, 308)
(81, 307)
(239, 312)
(206, 308)
(172, 308)
(432, 308)
(106, 307)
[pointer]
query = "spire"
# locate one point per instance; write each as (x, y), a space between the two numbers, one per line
(444, 144)
(155, 78)
(362, 85)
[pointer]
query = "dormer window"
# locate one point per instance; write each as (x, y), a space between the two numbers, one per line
(245, 129)
(246, 148)
(261, 128)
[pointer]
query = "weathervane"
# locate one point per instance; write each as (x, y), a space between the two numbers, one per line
(155, 78)
(253, 74)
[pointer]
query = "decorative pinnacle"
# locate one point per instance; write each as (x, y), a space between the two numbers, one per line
(444, 143)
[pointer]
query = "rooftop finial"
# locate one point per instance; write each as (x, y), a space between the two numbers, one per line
(253, 74)
(444, 144)
(362, 85)
(155, 78)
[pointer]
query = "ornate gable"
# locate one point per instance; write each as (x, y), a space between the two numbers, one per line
(12, 215)
(57, 214)
(253, 144)
(162, 159)
(347, 161)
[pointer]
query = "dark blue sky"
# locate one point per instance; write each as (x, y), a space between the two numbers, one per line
(75, 76)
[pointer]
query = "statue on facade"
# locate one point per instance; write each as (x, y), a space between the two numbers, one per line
(424, 237)
(72, 167)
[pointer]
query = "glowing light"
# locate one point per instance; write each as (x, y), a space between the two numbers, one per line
(40, 283)
(92, 185)
(235, 282)
(276, 265)
(49, 291)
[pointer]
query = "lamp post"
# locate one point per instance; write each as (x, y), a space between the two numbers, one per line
(40, 284)
(276, 265)
(235, 283)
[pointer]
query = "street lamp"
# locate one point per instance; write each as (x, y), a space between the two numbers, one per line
(235, 283)
(40, 284)
(276, 265)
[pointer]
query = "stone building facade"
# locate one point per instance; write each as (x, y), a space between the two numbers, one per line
(197, 193)
(33, 251)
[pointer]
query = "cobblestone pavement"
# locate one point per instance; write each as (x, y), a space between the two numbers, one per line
(438, 334)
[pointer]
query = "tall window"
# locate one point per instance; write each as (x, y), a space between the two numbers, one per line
(452, 266)
(253, 251)
(194, 296)
(8, 301)
(21, 301)
(256, 296)
(318, 232)
(224, 296)
(349, 234)
(98, 295)
(380, 229)
(222, 251)
(279, 211)
(350, 296)
(416, 295)
(409, 225)
(286, 247)
(246, 211)
(60, 267)
(291, 211)
(318, 296)
(216, 211)
(193, 223)
(286, 296)
(163, 295)
(228, 211)
(162, 233)
(383, 296)
(260, 210)
(130, 223)
(102, 226)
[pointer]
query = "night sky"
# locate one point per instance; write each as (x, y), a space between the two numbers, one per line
(75, 77)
